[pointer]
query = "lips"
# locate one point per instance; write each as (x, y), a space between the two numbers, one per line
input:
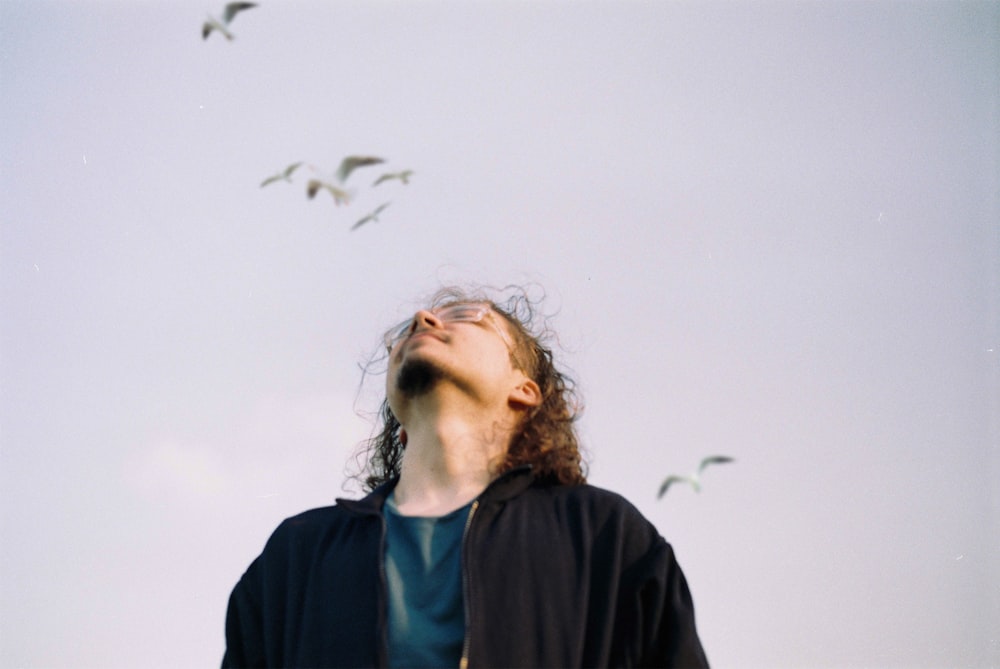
(421, 334)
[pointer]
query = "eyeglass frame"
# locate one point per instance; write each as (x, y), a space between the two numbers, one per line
(398, 333)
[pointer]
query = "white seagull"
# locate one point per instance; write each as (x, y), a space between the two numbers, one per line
(231, 10)
(370, 217)
(693, 479)
(286, 175)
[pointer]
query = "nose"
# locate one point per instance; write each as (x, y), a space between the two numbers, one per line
(425, 320)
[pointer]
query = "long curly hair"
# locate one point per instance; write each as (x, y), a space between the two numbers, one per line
(546, 438)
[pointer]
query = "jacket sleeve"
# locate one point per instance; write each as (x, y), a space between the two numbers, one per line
(244, 626)
(661, 613)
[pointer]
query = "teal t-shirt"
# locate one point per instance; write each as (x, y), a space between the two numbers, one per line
(423, 569)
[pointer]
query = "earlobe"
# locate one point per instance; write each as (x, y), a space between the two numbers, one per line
(527, 394)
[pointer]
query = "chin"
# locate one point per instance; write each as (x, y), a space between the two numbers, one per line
(416, 376)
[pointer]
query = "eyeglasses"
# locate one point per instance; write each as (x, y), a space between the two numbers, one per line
(454, 313)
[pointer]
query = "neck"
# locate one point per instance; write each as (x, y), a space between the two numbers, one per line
(450, 455)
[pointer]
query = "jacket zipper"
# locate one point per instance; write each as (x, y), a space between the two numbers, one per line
(466, 596)
(383, 651)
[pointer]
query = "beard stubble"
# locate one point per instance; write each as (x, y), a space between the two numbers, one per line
(416, 377)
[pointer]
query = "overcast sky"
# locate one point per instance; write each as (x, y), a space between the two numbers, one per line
(763, 230)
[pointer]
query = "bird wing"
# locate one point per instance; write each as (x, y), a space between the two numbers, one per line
(669, 481)
(362, 221)
(350, 163)
(233, 8)
(339, 196)
(291, 168)
(403, 176)
(210, 25)
(714, 460)
(270, 180)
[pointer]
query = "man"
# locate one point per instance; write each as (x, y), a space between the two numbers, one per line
(480, 543)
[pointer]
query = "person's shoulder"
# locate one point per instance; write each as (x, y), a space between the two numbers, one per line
(321, 515)
(585, 493)
(591, 500)
(320, 520)
(597, 511)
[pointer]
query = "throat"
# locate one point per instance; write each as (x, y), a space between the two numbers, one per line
(443, 470)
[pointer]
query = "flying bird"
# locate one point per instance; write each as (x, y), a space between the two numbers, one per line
(693, 479)
(286, 175)
(231, 10)
(403, 176)
(350, 163)
(370, 217)
(339, 196)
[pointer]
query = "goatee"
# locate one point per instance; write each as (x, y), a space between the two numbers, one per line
(416, 377)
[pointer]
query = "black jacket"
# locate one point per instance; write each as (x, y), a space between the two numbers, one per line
(554, 576)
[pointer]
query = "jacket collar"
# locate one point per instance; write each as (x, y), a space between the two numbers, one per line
(504, 487)
(373, 502)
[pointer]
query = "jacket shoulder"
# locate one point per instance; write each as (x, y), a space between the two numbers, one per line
(322, 515)
(309, 528)
(589, 506)
(599, 496)
(591, 498)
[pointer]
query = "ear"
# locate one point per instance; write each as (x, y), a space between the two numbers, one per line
(525, 394)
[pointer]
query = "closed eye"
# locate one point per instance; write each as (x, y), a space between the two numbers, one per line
(462, 312)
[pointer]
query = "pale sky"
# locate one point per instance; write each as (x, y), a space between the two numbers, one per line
(764, 230)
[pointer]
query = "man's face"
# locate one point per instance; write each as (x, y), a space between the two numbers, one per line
(464, 345)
